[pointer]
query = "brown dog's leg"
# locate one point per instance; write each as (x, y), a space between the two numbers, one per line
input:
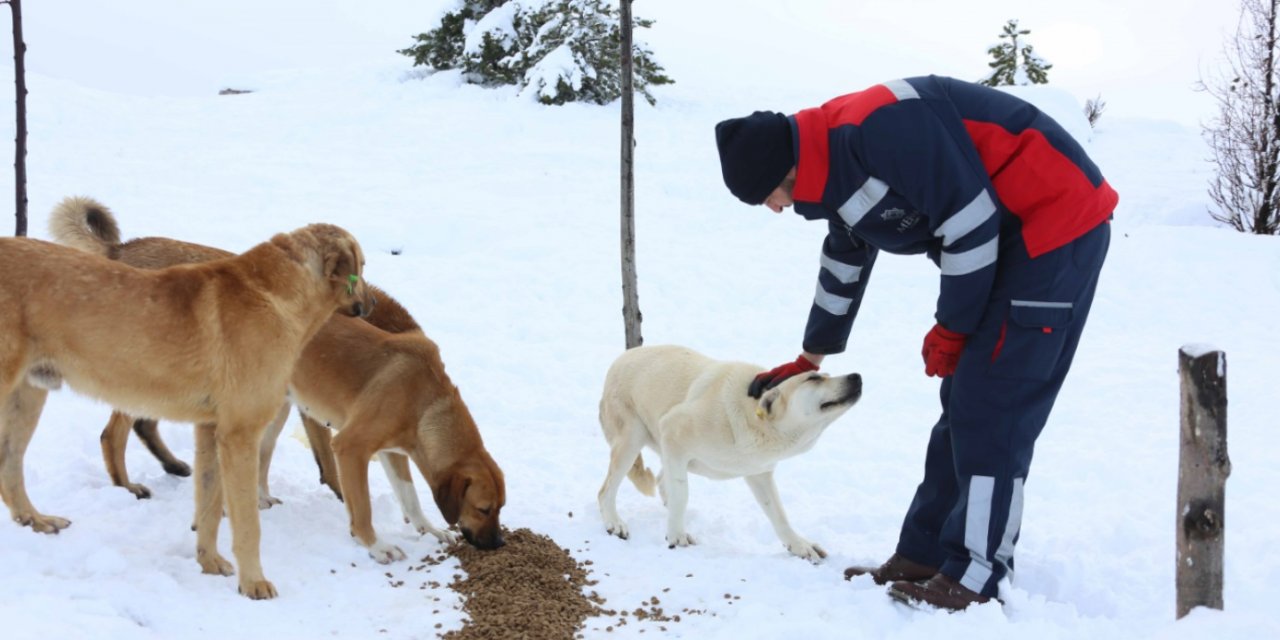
(267, 449)
(113, 439)
(208, 504)
(320, 438)
(149, 432)
(238, 441)
(19, 413)
(353, 473)
(396, 466)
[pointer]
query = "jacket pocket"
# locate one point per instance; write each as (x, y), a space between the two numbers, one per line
(1031, 340)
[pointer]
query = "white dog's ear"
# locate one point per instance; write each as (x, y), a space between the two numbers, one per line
(770, 403)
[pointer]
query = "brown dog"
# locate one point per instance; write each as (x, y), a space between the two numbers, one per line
(85, 224)
(212, 343)
(392, 396)
(381, 375)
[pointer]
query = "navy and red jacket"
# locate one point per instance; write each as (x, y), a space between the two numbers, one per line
(934, 165)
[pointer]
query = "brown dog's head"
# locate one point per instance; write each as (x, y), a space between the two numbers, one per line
(470, 494)
(340, 261)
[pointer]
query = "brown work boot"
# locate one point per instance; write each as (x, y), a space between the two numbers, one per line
(894, 569)
(939, 591)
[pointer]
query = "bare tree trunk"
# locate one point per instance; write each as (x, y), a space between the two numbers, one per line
(1244, 137)
(1203, 467)
(1268, 146)
(20, 142)
(630, 297)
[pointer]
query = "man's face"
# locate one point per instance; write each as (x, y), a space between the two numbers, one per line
(781, 196)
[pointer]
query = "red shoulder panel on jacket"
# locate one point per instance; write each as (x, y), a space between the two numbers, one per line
(1051, 194)
(853, 108)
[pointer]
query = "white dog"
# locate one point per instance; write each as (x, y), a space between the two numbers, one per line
(695, 412)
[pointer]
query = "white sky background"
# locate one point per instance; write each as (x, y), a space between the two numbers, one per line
(1142, 56)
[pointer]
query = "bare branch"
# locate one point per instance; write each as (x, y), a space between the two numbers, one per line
(1093, 109)
(1244, 138)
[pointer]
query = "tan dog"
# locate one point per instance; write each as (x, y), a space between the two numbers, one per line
(212, 344)
(391, 388)
(695, 412)
(87, 225)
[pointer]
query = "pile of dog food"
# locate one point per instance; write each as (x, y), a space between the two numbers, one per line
(529, 588)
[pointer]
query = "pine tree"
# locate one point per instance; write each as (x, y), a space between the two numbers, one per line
(441, 48)
(558, 51)
(1006, 68)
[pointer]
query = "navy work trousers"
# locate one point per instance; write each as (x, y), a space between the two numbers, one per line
(967, 512)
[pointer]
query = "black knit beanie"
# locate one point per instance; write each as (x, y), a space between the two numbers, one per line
(755, 154)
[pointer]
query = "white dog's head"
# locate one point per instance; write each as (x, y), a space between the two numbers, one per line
(809, 399)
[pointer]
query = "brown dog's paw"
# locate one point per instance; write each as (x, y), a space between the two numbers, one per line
(385, 553)
(444, 536)
(177, 468)
(42, 523)
(258, 589)
(214, 564)
(140, 491)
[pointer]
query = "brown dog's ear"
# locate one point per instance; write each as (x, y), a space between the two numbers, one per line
(502, 486)
(330, 266)
(339, 262)
(449, 494)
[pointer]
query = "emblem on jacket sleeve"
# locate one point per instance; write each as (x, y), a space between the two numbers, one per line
(909, 221)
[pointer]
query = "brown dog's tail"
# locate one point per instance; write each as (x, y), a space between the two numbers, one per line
(84, 223)
(642, 477)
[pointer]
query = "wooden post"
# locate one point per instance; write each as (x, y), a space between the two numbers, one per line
(20, 142)
(1203, 467)
(630, 296)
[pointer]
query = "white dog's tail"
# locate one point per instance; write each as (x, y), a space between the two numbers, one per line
(85, 224)
(642, 477)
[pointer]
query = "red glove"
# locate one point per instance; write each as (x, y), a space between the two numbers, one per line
(941, 351)
(771, 378)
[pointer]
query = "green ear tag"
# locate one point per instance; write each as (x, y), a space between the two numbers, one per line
(351, 284)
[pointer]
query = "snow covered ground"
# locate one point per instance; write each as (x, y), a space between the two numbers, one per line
(494, 221)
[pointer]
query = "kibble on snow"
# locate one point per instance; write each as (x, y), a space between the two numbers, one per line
(530, 588)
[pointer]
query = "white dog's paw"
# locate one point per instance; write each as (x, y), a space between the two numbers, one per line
(809, 551)
(385, 553)
(617, 527)
(266, 501)
(680, 539)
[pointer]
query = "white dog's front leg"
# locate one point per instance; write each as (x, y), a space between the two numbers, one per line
(675, 484)
(766, 493)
